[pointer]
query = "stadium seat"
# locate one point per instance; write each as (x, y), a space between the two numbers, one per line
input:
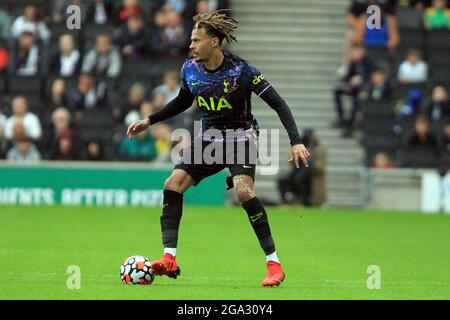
(438, 39)
(418, 157)
(409, 18)
(97, 118)
(411, 39)
(374, 126)
(377, 109)
(141, 69)
(2, 84)
(440, 75)
(18, 6)
(25, 85)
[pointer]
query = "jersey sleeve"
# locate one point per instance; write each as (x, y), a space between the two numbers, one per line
(256, 81)
(183, 82)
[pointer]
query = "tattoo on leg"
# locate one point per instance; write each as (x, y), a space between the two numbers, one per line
(243, 181)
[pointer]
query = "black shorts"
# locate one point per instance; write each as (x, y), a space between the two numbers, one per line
(240, 158)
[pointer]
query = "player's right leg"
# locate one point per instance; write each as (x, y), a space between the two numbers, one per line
(174, 187)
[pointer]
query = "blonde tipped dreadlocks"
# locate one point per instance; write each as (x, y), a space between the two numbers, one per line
(217, 24)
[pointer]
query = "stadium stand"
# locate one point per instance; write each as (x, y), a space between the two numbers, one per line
(90, 121)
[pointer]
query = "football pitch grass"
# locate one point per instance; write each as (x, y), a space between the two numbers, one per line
(325, 253)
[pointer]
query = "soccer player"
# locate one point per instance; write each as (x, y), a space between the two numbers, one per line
(222, 85)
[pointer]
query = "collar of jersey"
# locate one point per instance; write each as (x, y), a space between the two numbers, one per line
(219, 67)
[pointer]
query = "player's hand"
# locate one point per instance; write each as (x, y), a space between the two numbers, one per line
(137, 127)
(299, 151)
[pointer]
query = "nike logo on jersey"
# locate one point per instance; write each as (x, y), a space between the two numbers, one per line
(194, 83)
(256, 217)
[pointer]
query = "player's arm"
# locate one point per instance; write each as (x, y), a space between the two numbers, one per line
(298, 150)
(179, 104)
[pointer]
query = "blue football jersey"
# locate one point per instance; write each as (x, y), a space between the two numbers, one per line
(224, 95)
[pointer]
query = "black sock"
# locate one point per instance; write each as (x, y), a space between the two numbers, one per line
(258, 219)
(171, 216)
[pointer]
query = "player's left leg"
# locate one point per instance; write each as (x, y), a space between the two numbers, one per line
(245, 192)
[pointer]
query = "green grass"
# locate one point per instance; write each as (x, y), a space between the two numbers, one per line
(325, 253)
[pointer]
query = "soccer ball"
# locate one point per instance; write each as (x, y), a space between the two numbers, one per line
(136, 270)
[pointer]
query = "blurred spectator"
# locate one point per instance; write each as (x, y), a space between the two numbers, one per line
(170, 87)
(413, 69)
(89, 94)
(163, 143)
(4, 26)
(158, 23)
(2, 135)
(140, 113)
(60, 8)
(4, 59)
(446, 138)
(382, 161)
(24, 150)
(177, 5)
(419, 4)
(94, 151)
(61, 122)
(133, 37)
(30, 22)
(58, 96)
(61, 142)
(104, 59)
(203, 6)
(358, 75)
(158, 101)
(385, 36)
(170, 35)
(408, 111)
(65, 149)
(355, 12)
(439, 106)
(67, 61)
(379, 87)
(176, 34)
(437, 16)
(142, 148)
(2, 124)
(422, 135)
(134, 101)
(25, 59)
(30, 121)
(100, 12)
(130, 8)
(306, 185)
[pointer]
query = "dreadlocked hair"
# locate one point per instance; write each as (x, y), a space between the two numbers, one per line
(217, 24)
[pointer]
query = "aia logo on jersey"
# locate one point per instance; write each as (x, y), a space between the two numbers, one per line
(213, 105)
(258, 79)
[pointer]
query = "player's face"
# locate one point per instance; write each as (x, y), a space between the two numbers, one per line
(201, 45)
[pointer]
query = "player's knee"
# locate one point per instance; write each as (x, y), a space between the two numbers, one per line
(173, 185)
(242, 194)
